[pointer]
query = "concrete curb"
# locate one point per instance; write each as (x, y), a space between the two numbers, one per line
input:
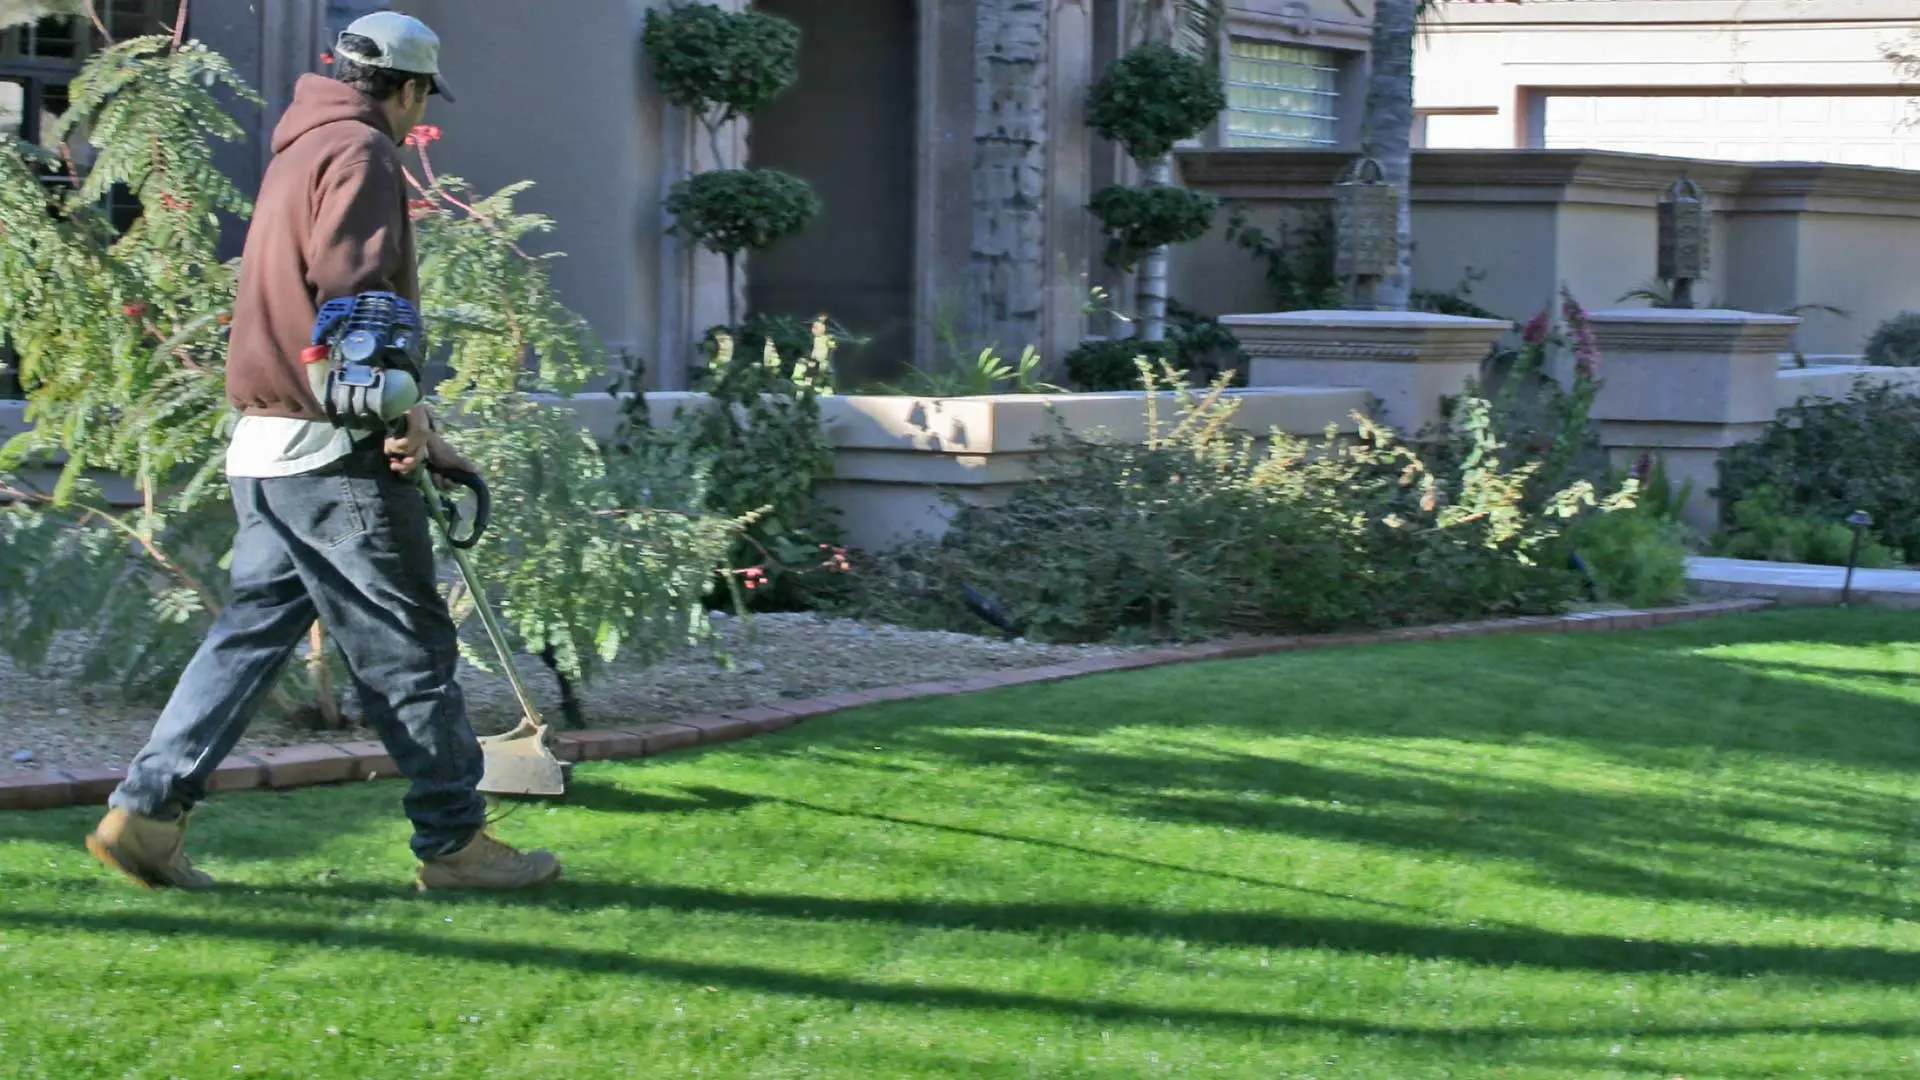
(337, 762)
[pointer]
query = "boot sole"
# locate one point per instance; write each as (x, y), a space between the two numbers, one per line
(421, 886)
(110, 858)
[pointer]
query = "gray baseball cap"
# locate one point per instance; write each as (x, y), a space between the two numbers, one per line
(404, 44)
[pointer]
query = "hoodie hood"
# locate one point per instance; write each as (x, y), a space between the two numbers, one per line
(319, 101)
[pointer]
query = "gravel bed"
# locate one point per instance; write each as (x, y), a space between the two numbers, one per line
(793, 656)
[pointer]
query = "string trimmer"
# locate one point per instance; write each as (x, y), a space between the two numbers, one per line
(518, 762)
(374, 351)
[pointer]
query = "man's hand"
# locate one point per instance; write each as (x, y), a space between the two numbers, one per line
(406, 452)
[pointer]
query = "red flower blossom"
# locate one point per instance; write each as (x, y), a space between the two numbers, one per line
(422, 135)
(134, 311)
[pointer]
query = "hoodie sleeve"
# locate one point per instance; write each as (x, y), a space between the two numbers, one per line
(359, 221)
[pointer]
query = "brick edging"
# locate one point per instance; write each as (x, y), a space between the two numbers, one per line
(338, 762)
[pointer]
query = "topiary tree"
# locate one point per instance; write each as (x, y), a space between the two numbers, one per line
(1148, 100)
(760, 422)
(723, 66)
(733, 211)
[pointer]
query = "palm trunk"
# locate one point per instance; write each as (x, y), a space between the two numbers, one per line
(1153, 270)
(733, 293)
(1006, 273)
(1389, 126)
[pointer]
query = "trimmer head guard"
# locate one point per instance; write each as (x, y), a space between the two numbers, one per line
(519, 762)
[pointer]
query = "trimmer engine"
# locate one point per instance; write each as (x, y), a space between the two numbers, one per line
(375, 354)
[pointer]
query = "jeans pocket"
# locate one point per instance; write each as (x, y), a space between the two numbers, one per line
(330, 511)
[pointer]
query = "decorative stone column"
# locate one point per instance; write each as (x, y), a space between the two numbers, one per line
(1684, 385)
(1408, 360)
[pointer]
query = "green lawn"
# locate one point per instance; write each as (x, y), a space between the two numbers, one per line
(1683, 853)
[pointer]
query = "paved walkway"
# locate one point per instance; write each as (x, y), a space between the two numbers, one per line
(1795, 583)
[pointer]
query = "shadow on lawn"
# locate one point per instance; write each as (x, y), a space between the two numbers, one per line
(1757, 761)
(1488, 945)
(1551, 950)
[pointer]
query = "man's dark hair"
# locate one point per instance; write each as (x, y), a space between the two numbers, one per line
(378, 83)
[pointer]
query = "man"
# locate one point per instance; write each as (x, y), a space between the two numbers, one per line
(330, 522)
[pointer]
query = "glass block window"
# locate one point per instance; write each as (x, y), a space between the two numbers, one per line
(1281, 95)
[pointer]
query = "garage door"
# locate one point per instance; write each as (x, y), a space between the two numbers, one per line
(1845, 130)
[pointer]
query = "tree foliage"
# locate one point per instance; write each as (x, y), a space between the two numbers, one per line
(122, 339)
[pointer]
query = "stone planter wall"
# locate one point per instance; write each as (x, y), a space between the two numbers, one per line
(894, 457)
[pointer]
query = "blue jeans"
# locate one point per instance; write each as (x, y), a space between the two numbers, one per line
(351, 544)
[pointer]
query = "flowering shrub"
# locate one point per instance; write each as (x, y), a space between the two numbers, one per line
(1535, 412)
(594, 553)
(760, 429)
(142, 396)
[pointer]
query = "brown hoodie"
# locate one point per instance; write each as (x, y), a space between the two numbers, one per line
(331, 220)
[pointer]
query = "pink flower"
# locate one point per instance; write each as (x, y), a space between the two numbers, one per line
(1535, 332)
(1586, 347)
(134, 311)
(422, 135)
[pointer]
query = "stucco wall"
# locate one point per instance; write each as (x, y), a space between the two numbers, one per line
(562, 101)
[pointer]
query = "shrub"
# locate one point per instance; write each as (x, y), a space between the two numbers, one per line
(1638, 557)
(1297, 261)
(1196, 344)
(1455, 301)
(1200, 532)
(1113, 363)
(1763, 528)
(988, 372)
(1824, 458)
(1896, 342)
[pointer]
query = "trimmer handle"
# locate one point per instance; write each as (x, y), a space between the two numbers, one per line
(482, 508)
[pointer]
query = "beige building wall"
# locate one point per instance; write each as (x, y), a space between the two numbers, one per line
(1783, 235)
(1750, 80)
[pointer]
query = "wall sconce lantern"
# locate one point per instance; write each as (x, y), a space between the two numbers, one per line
(1366, 218)
(1683, 239)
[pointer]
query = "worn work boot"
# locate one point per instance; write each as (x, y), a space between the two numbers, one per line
(486, 863)
(150, 852)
